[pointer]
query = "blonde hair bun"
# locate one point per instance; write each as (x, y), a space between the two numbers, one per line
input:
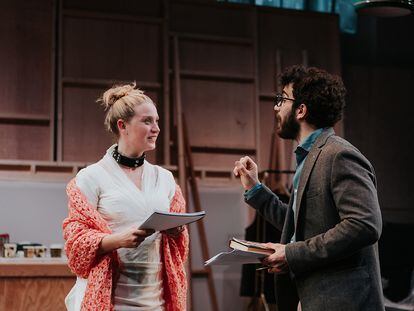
(110, 96)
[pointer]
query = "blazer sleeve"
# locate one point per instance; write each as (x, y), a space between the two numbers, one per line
(353, 189)
(269, 206)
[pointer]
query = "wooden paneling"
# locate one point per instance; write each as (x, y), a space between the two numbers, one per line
(267, 122)
(224, 162)
(378, 123)
(131, 7)
(35, 267)
(25, 142)
(268, 64)
(21, 294)
(219, 114)
(103, 42)
(217, 69)
(84, 134)
(109, 49)
(223, 57)
(26, 32)
(29, 284)
(292, 32)
(212, 19)
(227, 60)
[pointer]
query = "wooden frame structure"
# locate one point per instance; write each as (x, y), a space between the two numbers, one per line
(227, 72)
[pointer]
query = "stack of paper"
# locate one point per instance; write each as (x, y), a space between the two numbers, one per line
(234, 256)
(160, 221)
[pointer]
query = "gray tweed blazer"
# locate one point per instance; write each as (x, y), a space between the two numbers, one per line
(334, 263)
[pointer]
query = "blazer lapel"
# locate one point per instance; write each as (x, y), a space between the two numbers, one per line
(308, 166)
(289, 225)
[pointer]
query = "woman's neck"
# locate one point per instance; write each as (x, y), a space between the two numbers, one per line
(127, 151)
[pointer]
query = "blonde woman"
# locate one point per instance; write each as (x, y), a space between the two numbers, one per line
(120, 267)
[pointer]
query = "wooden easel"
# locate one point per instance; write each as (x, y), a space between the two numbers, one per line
(186, 175)
(206, 272)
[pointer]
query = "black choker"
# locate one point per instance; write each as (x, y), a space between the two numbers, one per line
(125, 161)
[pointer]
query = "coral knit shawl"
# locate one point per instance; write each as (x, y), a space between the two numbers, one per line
(83, 231)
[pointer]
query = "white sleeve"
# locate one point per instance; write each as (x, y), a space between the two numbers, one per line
(168, 182)
(173, 186)
(88, 186)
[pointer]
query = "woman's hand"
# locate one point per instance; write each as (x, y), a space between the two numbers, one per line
(132, 237)
(128, 238)
(174, 232)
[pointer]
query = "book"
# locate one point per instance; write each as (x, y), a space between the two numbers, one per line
(249, 246)
(243, 252)
(160, 221)
(234, 256)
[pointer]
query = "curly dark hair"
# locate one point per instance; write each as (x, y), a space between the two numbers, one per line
(321, 92)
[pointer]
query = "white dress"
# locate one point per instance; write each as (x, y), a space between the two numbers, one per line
(123, 205)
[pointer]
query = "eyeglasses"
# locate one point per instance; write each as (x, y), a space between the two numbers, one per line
(280, 99)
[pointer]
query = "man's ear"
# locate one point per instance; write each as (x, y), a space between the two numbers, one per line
(301, 112)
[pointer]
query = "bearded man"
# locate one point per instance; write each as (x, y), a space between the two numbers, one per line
(328, 255)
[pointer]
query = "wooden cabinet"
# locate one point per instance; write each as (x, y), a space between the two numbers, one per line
(34, 284)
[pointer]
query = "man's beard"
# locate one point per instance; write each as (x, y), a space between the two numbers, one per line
(289, 129)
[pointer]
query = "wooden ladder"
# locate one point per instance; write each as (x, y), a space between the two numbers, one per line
(206, 272)
(186, 176)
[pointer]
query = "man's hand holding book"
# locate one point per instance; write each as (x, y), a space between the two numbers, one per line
(276, 262)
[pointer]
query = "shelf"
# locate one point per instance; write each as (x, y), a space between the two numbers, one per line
(34, 267)
(38, 170)
(112, 17)
(201, 273)
(267, 96)
(213, 39)
(215, 76)
(222, 150)
(24, 119)
(64, 171)
(85, 82)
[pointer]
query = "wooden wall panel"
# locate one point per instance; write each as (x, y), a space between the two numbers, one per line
(268, 64)
(212, 19)
(108, 49)
(216, 57)
(26, 33)
(358, 105)
(84, 135)
(24, 142)
(267, 122)
(104, 41)
(151, 8)
(46, 294)
(378, 123)
(292, 32)
(223, 162)
(219, 114)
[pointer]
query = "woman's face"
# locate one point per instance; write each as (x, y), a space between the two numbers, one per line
(141, 131)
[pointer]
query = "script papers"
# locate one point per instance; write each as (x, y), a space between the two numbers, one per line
(160, 221)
